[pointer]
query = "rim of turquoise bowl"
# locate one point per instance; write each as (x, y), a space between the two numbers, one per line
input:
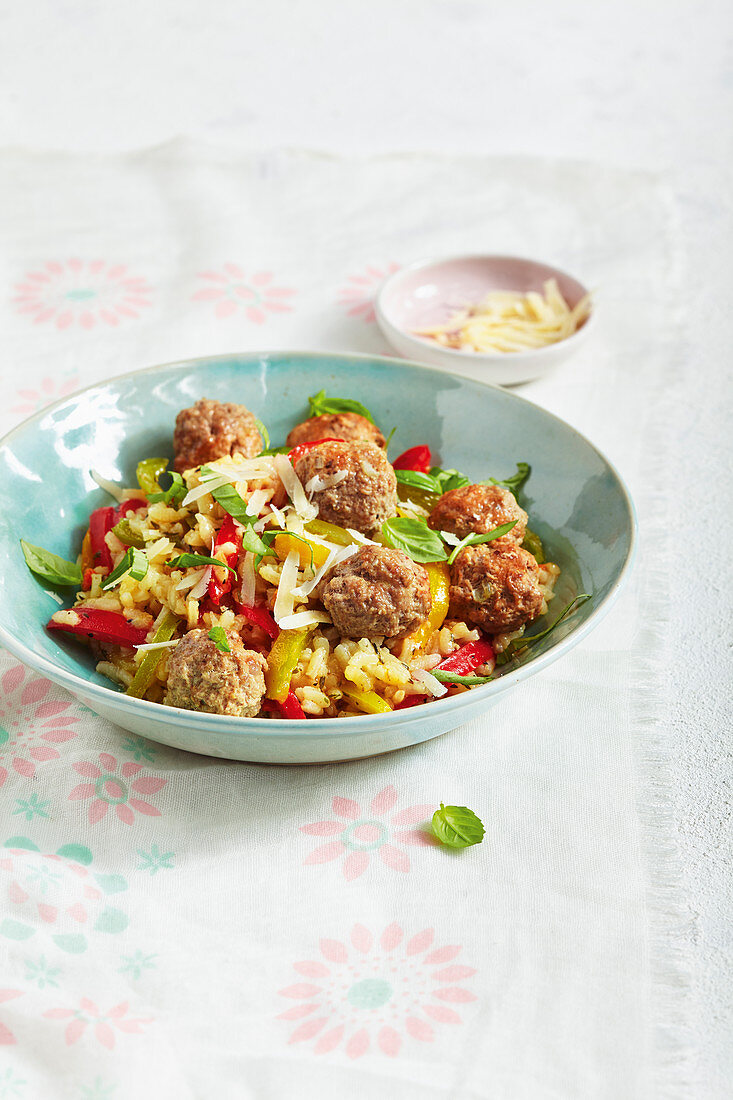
(283, 727)
(458, 356)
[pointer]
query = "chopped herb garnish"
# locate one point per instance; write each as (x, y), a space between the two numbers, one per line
(415, 538)
(455, 678)
(50, 566)
(232, 502)
(263, 432)
(518, 647)
(219, 637)
(134, 562)
(195, 561)
(477, 539)
(449, 479)
(388, 440)
(319, 404)
(175, 492)
(516, 481)
(417, 480)
(457, 826)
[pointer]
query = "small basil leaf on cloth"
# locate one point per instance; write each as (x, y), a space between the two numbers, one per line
(457, 826)
(476, 540)
(319, 403)
(415, 538)
(193, 561)
(218, 636)
(50, 566)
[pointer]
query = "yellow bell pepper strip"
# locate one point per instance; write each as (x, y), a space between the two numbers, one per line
(145, 674)
(281, 662)
(330, 531)
(368, 701)
(148, 471)
(439, 578)
(304, 548)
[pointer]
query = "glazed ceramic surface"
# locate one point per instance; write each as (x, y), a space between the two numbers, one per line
(430, 291)
(576, 501)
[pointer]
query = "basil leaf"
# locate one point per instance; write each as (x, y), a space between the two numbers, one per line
(449, 479)
(134, 562)
(263, 432)
(252, 543)
(285, 449)
(457, 826)
(477, 539)
(533, 545)
(415, 538)
(455, 678)
(231, 502)
(388, 440)
(127, 536)
(520, 645)
(418, 480)
(50, 566)
(175, 492)
(194, 561)
(218, 636)
(319, 403)
(516, 481)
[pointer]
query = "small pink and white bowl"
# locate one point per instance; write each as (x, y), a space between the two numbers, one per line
(428, 292)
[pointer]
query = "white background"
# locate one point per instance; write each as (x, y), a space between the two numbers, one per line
(640, 84)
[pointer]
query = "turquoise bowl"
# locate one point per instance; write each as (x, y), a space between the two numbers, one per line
(576, 500)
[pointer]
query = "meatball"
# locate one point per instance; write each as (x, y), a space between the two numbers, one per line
(210, 430)
(496, 586)
(365, 497)
(376, 593)
(478, 509)
(349, 426)
(201, 677)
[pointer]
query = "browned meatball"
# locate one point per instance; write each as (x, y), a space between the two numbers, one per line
(496, 586)
(377, 593)
(478, 509)
(201, 677)
(349, 426)
(210, 430)
(365, 498)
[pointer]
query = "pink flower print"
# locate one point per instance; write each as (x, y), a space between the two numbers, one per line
(48, 390)
(232, 291)
(31, 724)
(357, 294)
(369, 995)
(103, 1024)
(116, 785)
(357, 835)
(80, 292)
(58, 894)
(6, 1036)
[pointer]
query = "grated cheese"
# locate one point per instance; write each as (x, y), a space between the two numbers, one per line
(338, 554)
(302, 619)
(317, 484)
(201, 490)
(157, 645)
(285, 599)
(294, 488)
(203, 585)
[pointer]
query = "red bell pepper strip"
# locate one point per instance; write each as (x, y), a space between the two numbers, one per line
(463, 662)
(100, 522)
(416, 458)
(468, 658)
(261, 617)
(291, 708)
(227, 533)
(130, 506)
(86, 581)
(102, 626)
(303, 448)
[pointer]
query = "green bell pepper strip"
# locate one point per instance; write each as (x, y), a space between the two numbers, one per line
(148, 471)
(281, 662)
(145, 674)
(127, 536)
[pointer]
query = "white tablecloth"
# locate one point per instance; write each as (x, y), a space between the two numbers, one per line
(218, 935)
